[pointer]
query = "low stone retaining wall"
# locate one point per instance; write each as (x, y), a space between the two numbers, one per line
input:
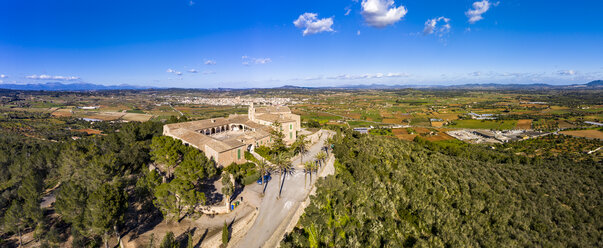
(287, 226)
(238, 230)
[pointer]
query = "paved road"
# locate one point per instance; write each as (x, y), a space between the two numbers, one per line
(272, 211)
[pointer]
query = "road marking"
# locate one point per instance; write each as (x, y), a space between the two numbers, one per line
(288, 205)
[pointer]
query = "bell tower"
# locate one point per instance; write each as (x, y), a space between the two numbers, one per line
(251, 112)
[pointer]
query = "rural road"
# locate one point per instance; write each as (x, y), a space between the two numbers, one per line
(272, 211)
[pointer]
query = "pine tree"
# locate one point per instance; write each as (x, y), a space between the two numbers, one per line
(168, 241)
(227, 187)
(106, 209)
(71, 203)
(225, 234)
(14, 219)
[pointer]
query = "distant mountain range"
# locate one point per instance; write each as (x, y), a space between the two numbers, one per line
(597, 83)
(593, 84)
(55, 86)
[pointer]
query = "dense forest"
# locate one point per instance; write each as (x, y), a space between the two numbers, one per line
(92, 178)
(395, 193)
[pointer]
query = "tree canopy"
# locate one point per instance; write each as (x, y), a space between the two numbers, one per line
(394, 193)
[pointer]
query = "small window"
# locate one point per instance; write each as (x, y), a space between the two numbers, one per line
(291, 126)
(239, 154)
(290, 135)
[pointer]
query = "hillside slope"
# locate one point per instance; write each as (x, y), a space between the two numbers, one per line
(393, 193)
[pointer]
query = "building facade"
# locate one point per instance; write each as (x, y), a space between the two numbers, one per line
(225, 140)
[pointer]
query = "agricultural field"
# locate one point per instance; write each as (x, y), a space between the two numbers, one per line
(485, 124)
(591, 134)
(524, 124)
(511, 109)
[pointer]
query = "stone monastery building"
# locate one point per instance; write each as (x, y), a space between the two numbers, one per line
(226, 139)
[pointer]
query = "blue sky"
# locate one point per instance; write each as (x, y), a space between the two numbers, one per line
(240, 44)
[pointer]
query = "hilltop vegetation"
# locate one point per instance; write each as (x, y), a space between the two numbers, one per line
(394, 193)
(93, 177)
(387, 192)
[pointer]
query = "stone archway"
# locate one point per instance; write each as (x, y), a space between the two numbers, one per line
(213, 130)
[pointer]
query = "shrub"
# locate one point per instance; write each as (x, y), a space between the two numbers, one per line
(225, 234)
(168, 241)
(263, 151)
(249, 179)
(250, 157)
(240, 171)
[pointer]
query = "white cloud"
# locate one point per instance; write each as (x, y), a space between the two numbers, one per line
(478, 9)
(348, 10)
(3, 76)
(567, 72)
(191, 3)
(258, 61)
(313, 78)
(262, 61)
(174, 71)
(397, 75)
(380, 13)
(476, 73)
(208, 72)
(368, 76)
(313, 25)
(210, 62)
(49, 77)
(193, 71)
(431, 26)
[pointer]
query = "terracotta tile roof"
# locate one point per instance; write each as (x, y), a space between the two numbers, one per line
(273, 118)
(202, 124)
(199, 140)
(273, 109)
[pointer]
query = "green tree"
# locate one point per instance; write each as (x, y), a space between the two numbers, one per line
(227, 187)
(146, 185)
(278, 138)
(71, 203)
(173, 197)
(195, 166)
(106, 209)
(189, 241)
(167, 151)
(313, 123)
(166, 201)
(169, 241)
(263, 168)
(301, 146)
(187, 196)
(225, 234)
(308, 168)
(321, 157)
(14, 220)
(30, 190)
(282, 161)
